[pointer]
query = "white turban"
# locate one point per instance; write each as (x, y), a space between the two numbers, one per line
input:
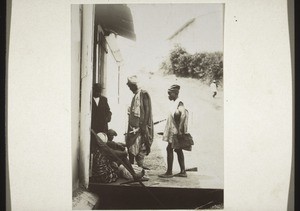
(103, 137)
(132, 80)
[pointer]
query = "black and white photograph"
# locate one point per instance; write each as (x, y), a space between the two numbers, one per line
(147, 102)
(149, 105)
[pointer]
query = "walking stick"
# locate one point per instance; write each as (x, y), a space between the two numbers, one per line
(130, 171)
(155, 123)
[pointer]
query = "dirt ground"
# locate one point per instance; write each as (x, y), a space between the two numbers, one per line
(205, 125)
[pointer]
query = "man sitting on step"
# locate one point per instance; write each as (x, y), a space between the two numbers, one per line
(110, 161)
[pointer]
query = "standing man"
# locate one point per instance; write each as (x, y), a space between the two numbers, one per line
(177, 124)
(140, 123)
(101, 113)
(213, 88)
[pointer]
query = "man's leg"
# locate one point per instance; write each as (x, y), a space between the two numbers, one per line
(215, 93)
(129, 168)
(122, 155)
(131, 158)
(169, 163)
(170, 158)
(180, 157)
(140, 159)
(141, 156)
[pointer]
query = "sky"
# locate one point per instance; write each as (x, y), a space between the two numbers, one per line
(153, 24)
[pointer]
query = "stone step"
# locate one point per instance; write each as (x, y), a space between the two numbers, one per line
(84, 200)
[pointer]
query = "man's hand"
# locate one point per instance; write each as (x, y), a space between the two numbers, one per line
(121, 146)
(108, 118)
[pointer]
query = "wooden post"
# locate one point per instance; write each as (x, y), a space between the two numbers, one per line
(119, 83)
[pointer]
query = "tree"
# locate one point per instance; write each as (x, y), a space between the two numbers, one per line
(203, 66)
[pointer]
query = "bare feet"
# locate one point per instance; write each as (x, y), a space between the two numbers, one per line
(138, 176)
(181, 174)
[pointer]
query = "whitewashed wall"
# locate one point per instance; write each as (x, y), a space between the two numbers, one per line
(75, 86)
(86, 77)
(118, 120)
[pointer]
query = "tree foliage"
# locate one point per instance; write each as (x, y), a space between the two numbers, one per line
(203, 66)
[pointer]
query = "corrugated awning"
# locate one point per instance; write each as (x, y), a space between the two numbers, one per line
(116, 18)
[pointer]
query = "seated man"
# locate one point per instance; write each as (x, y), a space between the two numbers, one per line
(115, 145)
(122, 171)
(107, 161)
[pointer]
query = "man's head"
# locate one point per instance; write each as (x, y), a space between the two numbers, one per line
(97, 89)
(132, 83)
(173, 92)
(111, 134)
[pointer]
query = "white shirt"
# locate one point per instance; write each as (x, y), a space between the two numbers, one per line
(213, 87)
(97, 100)
(174, 105)
(136, 109)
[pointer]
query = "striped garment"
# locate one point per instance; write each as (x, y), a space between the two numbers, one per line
(104, 171)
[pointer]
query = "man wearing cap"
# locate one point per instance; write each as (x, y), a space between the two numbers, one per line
(177, 123)
(116, 145)
(139, 136)
(111, 134)
(101, 113)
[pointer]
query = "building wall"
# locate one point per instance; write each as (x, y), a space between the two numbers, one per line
(88, 14)
(81, 86)
(75, 89)
(82, 80)
(118, 112)
(205, 34)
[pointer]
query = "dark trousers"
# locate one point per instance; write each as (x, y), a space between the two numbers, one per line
(215, 93)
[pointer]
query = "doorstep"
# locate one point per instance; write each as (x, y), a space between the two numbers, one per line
(84, 200)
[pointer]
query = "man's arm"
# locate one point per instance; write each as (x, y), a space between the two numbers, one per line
(115, 145)
(146, 104)
(182, 118)
(147, 112)
(108, 112)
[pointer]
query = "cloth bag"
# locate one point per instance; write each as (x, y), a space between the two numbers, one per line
(183, 141)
